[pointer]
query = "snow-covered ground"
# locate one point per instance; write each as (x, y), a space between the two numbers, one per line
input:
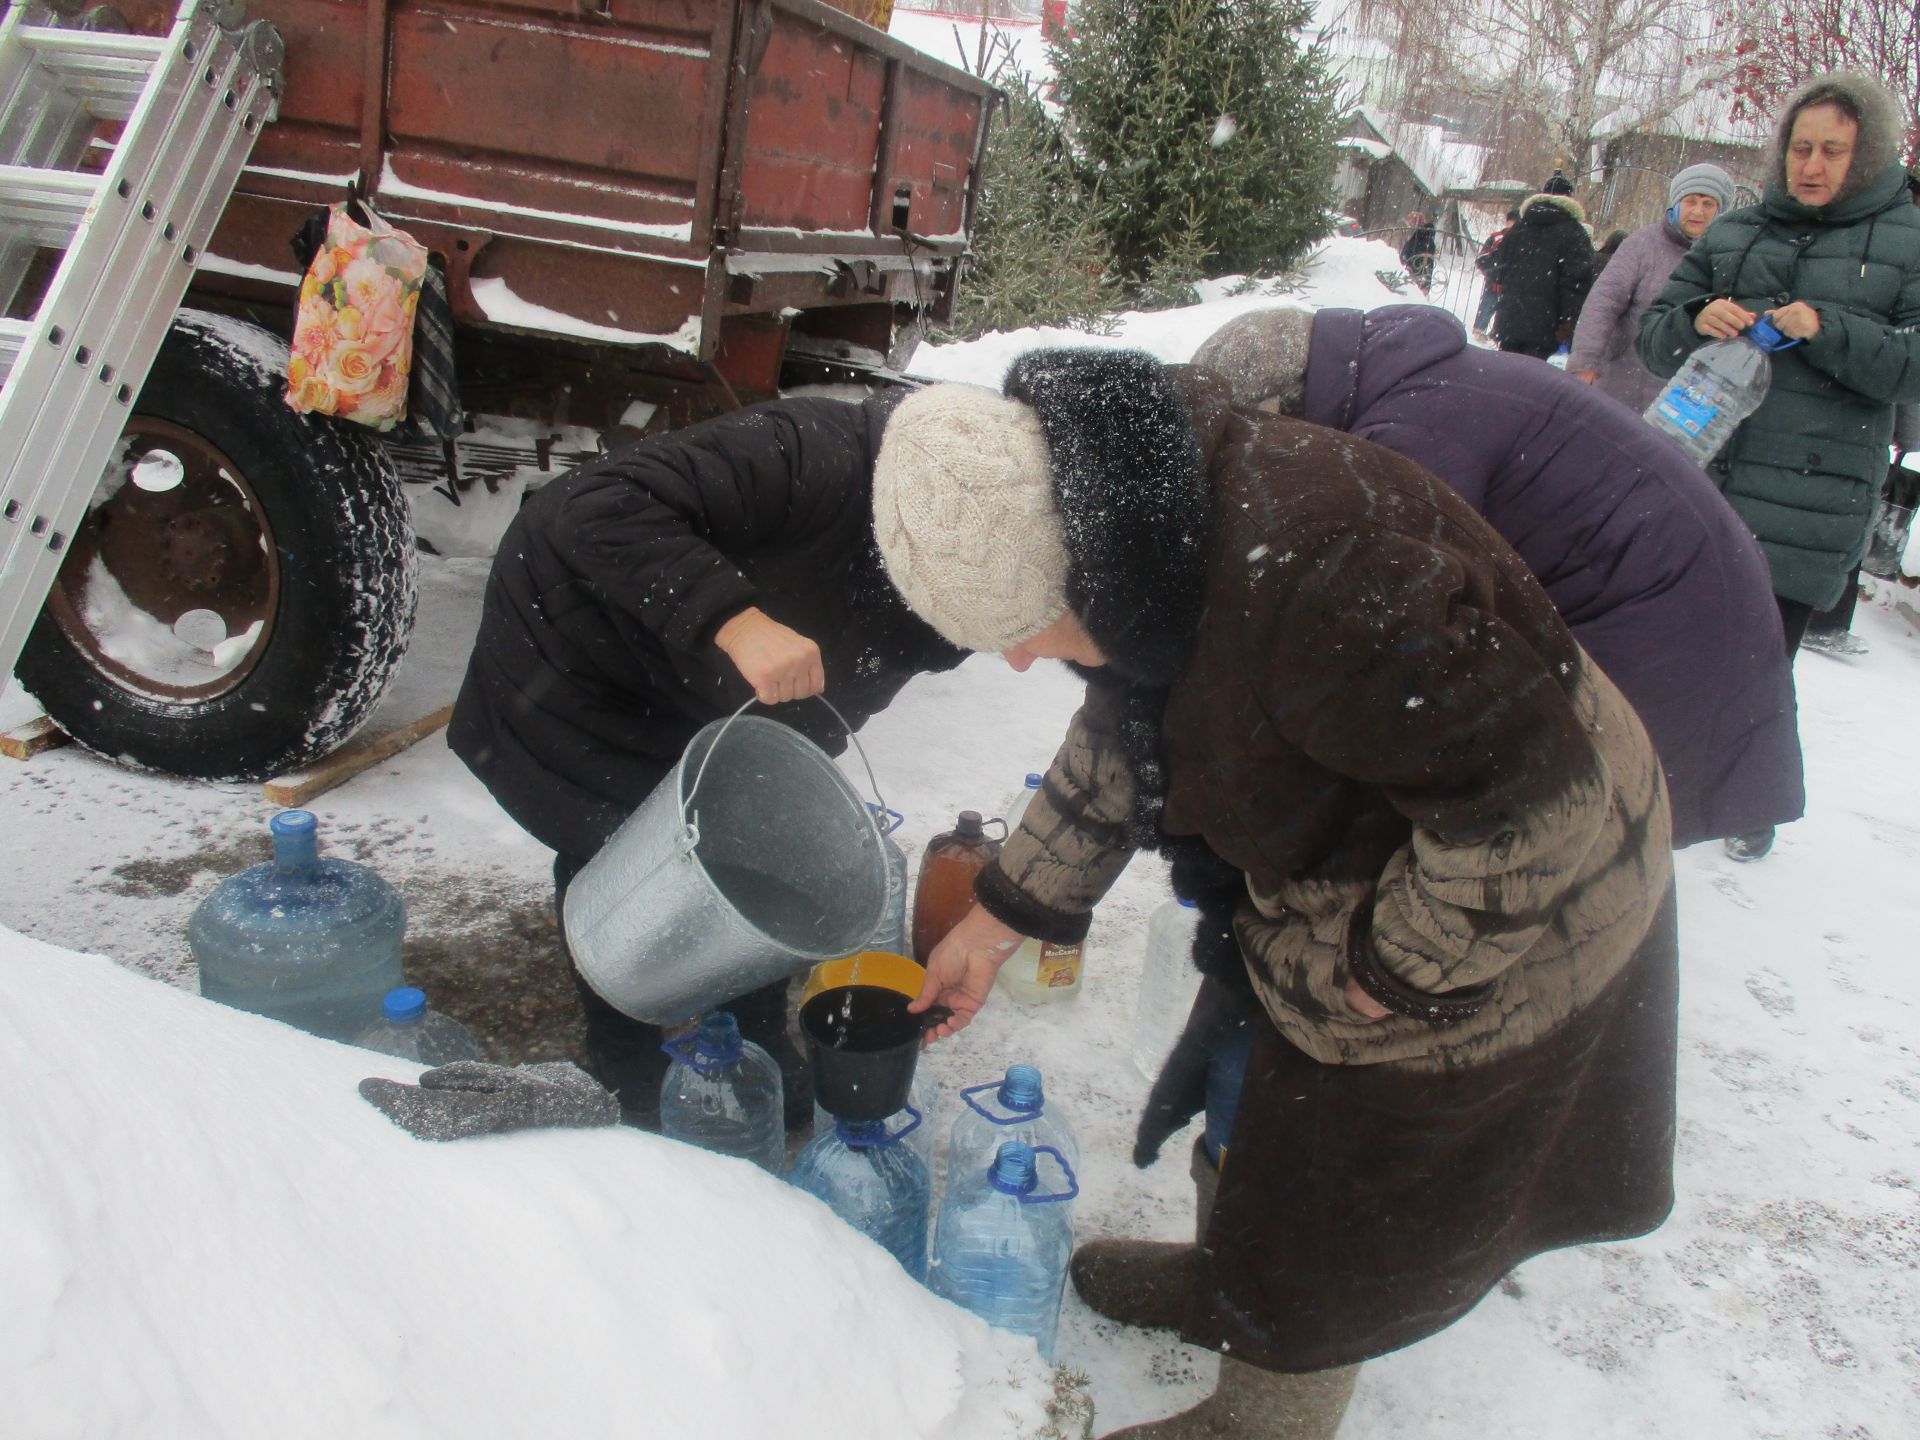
(206, 1233)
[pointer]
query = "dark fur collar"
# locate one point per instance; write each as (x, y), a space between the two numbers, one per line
(1133, 500)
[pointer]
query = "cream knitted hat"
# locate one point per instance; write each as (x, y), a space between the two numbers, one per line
(964, 510)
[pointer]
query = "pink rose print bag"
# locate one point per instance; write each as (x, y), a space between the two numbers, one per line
(353, 338)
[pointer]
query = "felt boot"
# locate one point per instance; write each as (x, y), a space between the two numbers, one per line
(1149, 1284)
(1254, 1404)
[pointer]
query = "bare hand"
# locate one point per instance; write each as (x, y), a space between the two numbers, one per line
(1722, 319)
(780, 664)
(961, 969)
(1359, 1000)
(1586, 377)
(1798, 321)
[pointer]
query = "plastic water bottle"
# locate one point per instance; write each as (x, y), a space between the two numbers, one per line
(1168, 983)
(1014, 1107)
(1001, 1246)
(923, 1101)
(1720, 385)
(892, 934)
(407, 1028)
(872, 1178)
(1038, 971)
(312, 942)
(722, 1093)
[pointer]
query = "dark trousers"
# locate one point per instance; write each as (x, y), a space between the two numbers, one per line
(625, 1054)
(1794, 619)
(1839, 619)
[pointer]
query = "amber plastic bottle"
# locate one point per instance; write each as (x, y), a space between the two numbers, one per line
(944, 892)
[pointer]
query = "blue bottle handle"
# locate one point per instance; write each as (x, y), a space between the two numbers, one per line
(888, 819)
(686, 1050)
(1779, 341)
(974, 1105)
(1073, 1181)
(888, 1139)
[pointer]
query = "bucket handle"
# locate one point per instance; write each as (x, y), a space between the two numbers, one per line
(689, 817)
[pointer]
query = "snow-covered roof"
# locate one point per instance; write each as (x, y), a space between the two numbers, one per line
(1702, 116)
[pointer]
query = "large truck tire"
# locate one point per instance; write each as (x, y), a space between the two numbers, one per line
(244, 584)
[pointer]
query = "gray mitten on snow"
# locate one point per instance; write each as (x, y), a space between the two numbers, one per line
(471, 1097)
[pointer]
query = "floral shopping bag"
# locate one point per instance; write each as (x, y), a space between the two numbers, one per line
(353, 338)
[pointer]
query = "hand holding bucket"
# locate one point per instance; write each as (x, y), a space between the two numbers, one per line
(752, 859)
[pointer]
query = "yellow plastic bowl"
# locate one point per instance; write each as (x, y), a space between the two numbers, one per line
(869, 967)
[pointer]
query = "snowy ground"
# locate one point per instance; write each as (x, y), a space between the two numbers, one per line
(208, 1234)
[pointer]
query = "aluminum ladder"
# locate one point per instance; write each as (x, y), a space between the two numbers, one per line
(191, 103)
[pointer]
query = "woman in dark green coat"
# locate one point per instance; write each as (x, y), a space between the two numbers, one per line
(1832, 252)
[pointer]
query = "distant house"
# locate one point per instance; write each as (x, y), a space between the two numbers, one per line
(1637, 157)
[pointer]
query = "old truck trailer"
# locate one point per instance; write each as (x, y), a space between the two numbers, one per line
(681, 203)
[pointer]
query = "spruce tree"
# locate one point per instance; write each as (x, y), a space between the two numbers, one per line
(1201, 121)
(1039, 255)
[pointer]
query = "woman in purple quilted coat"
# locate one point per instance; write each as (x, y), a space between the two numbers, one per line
(1658, 579)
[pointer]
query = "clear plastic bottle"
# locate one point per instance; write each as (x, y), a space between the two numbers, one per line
(944, 892)
(407, 1028)
(1168, 983)
(1720, 385)
(1001, 1245)
(869, 1175)
(892, 934)
(723, 1094)
(312, 942)
(1014, 1107)
(1039, 971)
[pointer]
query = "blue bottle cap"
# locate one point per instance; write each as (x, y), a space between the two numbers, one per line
(1021, 1089)
(1033, 779)
(1767, 336)
(1189, 904)
(1012, 1172)
(719, 1038)
(296, 839)
(404, 1003)
(861, 1134)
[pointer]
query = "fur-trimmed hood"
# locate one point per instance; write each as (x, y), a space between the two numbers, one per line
(1878, 144)
(1559, 202)
(1134, 503)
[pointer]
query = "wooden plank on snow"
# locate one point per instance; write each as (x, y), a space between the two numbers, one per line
(363, 752)
(24, 741)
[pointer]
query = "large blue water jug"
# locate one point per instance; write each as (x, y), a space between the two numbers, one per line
(892, 935)
(407, 1028)
(870, 1177)
(1721, 384)
(1014, 1107)
(1001, 1246)
(313, 942)
(723, 1094)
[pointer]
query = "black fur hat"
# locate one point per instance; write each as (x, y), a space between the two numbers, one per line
(1133, 499)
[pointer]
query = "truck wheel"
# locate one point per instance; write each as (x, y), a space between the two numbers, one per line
(243, 585)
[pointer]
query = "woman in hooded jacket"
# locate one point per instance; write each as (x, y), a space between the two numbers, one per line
(1832, 253)
(1434, 834)
(1544, 268)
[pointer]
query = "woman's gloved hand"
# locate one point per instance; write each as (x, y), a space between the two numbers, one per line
(471, 1097)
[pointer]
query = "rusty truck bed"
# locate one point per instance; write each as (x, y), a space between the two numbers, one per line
(676, 176)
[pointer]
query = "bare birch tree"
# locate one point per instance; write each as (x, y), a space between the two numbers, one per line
(1543, 76)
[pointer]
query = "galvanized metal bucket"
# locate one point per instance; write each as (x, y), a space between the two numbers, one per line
(752, 860)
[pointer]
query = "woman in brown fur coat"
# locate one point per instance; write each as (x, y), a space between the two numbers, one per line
(1429, 837)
